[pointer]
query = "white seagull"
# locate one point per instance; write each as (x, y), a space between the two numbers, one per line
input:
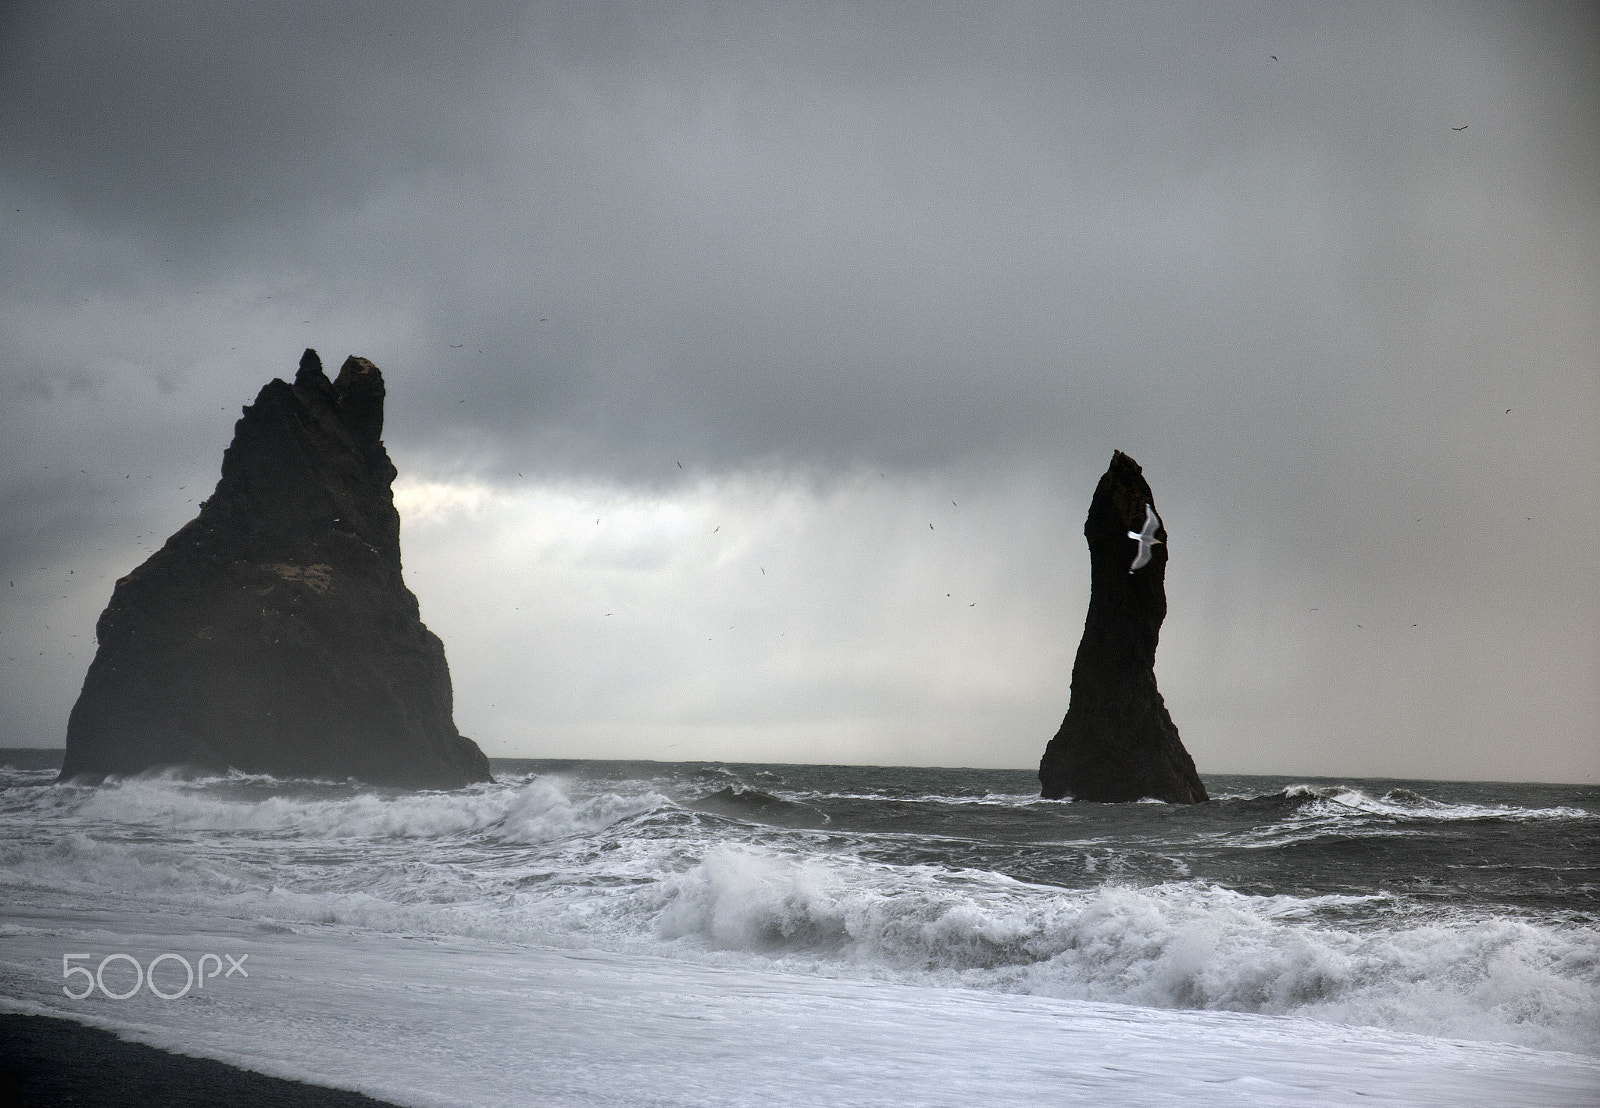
(1147, 537)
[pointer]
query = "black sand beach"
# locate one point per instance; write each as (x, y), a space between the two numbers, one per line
(54, 1062)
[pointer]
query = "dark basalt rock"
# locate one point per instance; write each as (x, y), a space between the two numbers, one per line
(273, 633)
(1118, 743)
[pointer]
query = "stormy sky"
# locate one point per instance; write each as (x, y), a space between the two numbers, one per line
(751, 366)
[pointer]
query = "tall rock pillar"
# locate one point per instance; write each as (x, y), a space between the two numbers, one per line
(1117, 742)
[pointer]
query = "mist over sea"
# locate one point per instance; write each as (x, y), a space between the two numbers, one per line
(691, 933)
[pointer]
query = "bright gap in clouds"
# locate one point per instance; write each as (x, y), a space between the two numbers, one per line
(756, 617)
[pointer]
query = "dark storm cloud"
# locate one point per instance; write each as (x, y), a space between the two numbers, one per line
(807, 232)
(191, 122)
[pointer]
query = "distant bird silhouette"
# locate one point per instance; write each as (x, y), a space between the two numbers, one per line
(457, 345)
(1463, 127)
(1147, 538)
(1274, 57)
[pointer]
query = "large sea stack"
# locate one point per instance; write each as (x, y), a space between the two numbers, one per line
(1118, 743)
(273, 633)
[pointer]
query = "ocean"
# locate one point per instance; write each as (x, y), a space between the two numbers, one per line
(644, 933)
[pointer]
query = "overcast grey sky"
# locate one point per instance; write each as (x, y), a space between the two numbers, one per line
(751, 366)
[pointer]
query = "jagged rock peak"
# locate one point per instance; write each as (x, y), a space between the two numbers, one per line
(359, 390)
(310, 374)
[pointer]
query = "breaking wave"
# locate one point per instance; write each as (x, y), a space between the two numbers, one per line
(1189, 945)
(759, 877)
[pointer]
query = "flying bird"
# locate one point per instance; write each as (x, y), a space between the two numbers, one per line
(1147, 538)
(1463, 127)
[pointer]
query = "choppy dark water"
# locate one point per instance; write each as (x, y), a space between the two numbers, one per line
(1530, 848)
(1457, 909)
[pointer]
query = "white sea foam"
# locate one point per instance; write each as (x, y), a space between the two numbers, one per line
(540, 860)
(536, 810)
(1172, 946)
(468, 1024)
(997, 800)
(1405, 804)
